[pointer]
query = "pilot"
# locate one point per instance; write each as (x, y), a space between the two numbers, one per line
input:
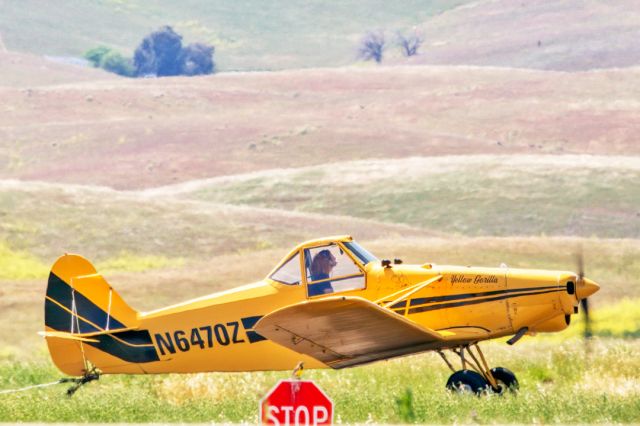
(321, 267)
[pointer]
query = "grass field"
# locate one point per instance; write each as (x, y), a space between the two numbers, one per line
(235, 244)
(560, 383)
(46, 220)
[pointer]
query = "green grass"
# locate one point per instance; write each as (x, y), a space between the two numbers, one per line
(556, 371)
(247, 34)
(559, 384)
(621, 320)
(471, 195)
(18, 264)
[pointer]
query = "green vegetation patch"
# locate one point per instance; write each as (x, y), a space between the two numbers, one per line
(20, 264)
(620, 320)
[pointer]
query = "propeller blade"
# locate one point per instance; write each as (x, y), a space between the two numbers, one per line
(580, 263)
(587, 320)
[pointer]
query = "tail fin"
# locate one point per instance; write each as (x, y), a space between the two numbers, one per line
(83, 313)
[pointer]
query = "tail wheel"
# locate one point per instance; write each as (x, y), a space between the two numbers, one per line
(505, 379)
(467, 381)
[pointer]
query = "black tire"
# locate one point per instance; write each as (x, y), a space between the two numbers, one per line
(467, 381)
(506, 380)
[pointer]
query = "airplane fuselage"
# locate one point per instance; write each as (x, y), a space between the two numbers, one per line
(432, 306)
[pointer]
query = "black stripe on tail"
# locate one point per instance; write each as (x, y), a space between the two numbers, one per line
(131, 346)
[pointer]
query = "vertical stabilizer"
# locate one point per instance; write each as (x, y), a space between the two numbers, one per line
(79, 301)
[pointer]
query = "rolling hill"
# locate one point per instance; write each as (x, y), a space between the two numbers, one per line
(468, 195)
(131, 134)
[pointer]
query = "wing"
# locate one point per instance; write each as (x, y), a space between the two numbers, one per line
(346, 331)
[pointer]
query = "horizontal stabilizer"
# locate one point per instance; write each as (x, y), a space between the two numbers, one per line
(64, 335)
(84, 337)
(346, 331)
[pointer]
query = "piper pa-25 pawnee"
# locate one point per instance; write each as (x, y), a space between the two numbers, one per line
(328, 303)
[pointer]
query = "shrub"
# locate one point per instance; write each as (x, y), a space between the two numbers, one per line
(116, 63)
(96, 54)
(196, 58)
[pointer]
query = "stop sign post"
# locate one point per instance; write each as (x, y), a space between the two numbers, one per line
(296, 402)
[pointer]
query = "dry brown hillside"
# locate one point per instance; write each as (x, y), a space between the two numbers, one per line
(25, 71)
(543, 34)
(143, 133)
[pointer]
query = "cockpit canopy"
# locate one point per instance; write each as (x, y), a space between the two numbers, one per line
(325, 266)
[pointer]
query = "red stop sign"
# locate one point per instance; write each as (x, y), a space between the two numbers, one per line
(296, 402)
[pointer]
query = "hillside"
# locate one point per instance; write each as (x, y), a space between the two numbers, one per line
(469, 195)
(23, 70)
(47, 220)
(564, 35)
(146, 133)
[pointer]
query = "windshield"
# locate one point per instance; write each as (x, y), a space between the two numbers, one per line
(289, 272)
(361, 253)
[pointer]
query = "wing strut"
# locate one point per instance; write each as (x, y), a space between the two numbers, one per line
(408, 291)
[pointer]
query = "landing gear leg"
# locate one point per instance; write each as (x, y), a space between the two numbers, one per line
(480, 378)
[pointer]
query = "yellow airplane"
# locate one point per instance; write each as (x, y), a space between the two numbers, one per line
(328, 303)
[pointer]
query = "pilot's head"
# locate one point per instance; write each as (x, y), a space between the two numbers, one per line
(323, 262)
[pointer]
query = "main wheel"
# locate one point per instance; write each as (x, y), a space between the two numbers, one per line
(467, 381)
(505, 379)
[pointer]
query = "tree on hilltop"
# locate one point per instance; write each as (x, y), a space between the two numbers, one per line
(158, 53)
(196, 59)
(161, 54)
(372, 46)
(410, 44)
